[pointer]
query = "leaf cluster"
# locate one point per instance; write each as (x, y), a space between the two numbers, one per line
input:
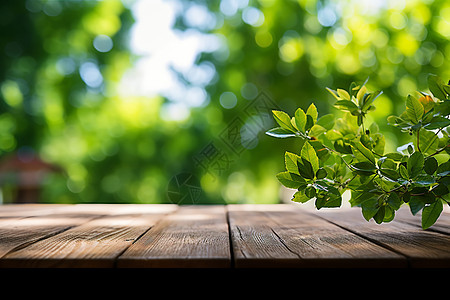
(339, 154)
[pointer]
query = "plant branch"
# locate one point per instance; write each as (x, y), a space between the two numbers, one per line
(405, 187)
(418, 148)
(439, 151)
(340, 155)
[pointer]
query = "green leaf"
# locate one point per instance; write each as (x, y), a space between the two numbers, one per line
(333, 135)
(389, 214)
(353, 87)
(424, 180)
(310, 191)
(309, 154)
(300, 197)
(290, 161)
(364, 168)
(370, 99)
(300, 119)
(428, 141)
(394, 201)
(369, 208)
(283, 120)
(346, 105)
(360, 119)
(334, 93)
(386, 163)
(358, 197)
(328, 201)
(414, 109)
(415, 164)
(379, 216)
(431, 213)
(435, 85)
(389, 173)
(360, 95)
(316, 131)
(403, 172)
(443, 108)
(366, 140)
(443, 169)
(415, 204)
(395, 156)
(280, 132)
(312, 111)
(437, 122)
(293, 123)
(446, 88)
(327, 196)
(379, 143)
(309, 122)
(291, 180)
(368, 155)
(343, 94)
(430, 166)
(305, 169)
(322, 152)
(439, 190)
(342, 147)
(321, 173)
(326, 121)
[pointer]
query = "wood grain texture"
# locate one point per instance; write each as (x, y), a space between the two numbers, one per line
(90, 242)
(31, 223)
(28, 210)
(218, 236)
(423, 248)
(442, 225)
(193, 236)
(280, 235)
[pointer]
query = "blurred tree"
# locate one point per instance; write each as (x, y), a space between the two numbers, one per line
(292, 50)
(62, 63)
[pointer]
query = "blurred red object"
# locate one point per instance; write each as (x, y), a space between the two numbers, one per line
(26, 172)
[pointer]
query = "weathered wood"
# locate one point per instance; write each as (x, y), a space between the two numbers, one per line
(27, 210)
(193, 236)
(241, 236)
(32, 223)
(423, 248)
(96, 243)
(442, 225)
(284, 236)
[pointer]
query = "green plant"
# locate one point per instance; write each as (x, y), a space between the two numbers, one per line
(340, 154)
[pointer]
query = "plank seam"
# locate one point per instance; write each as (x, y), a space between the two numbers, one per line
(29, 243)
(230, 238)
(408, 222)
(116, 259)
(408, 260)
(284, 243)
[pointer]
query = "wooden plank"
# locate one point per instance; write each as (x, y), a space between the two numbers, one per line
(285, 236)
(94, 244)
(423, 248)
(254, 242)
(193, 236)
(442, 225)
(27, 210)
(163, 236)
(23, 230)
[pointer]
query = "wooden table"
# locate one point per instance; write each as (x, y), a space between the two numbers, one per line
(232, 236)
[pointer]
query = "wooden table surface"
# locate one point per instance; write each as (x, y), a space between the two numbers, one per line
(231, 236)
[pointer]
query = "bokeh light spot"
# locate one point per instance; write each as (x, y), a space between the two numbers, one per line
(228, 100)
(103, 43)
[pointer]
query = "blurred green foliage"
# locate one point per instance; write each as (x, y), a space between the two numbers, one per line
(59, 98)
